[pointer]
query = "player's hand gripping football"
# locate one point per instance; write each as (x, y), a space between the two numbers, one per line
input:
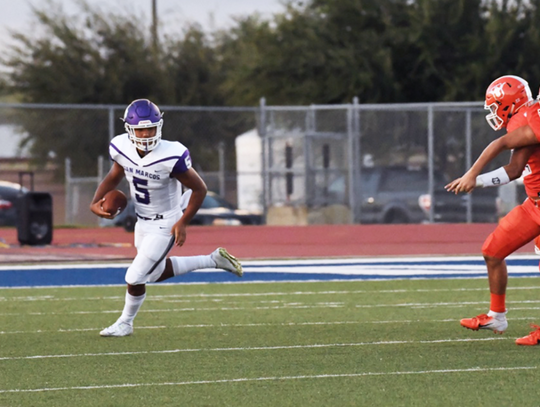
(466, 183)
(98, 210)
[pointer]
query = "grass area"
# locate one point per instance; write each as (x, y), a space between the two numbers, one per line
(384, 343)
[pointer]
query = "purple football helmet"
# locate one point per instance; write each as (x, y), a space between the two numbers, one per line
(142, 114)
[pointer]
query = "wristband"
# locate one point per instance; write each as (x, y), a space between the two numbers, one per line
(492, 178)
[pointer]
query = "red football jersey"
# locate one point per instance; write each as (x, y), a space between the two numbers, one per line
(529, 115)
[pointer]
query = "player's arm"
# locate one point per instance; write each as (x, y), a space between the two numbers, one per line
(110, 182)
(190, 179)
(509, 172)
(520, 137)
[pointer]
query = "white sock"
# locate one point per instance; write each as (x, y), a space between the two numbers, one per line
(183, 265)
(497, 315)
(131, 307)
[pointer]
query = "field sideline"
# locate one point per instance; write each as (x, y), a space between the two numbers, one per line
(56, 275)
(379, 343)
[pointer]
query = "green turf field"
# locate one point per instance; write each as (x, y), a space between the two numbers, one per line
(385, 343)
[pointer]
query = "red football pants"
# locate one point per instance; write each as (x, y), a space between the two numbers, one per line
(519, 227)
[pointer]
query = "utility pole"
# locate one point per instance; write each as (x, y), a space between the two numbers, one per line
(154, 27)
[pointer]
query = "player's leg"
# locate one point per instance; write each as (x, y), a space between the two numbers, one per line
(226, 261)
(219, 258)
(135, 296)
(533, 338)
(514, 230)
(495, 319)
(147, 265)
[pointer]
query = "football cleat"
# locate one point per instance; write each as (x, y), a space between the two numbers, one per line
(532, 339)
(484, 321)
(227, 261)
(119, 328)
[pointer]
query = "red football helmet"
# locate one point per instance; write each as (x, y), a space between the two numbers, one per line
(504, 97)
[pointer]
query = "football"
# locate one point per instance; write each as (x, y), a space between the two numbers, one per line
(115, 202)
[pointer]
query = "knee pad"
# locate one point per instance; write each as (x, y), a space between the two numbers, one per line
(139, 270)
(514, 231)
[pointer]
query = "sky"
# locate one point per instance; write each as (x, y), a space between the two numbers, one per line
(211, 14)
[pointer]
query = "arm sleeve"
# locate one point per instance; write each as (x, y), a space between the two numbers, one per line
(182, 164)
(113, 153)
(493, 178)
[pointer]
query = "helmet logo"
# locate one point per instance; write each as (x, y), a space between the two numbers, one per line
(497, 91)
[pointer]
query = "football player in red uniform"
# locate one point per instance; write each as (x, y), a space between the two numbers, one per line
(511, 107)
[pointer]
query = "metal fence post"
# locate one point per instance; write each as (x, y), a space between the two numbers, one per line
(68, 214)
(350, 159)
(430, 162)
(100, 168)
(264, 153)
(311, 129)
(355, 187)
(111, 123)
(468, 153)
(221, 155)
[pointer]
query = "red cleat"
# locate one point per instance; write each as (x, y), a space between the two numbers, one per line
(483, 321)
(532, 339)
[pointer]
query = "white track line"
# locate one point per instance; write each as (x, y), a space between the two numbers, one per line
(253, 348)
(255, 325)
(297, 305)
(373, 261)
(274, 378)
(264, 294)
(191, 309)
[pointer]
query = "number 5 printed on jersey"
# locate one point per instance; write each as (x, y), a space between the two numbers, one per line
(143, 195)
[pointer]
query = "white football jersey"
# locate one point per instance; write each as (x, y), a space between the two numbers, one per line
(154, 191)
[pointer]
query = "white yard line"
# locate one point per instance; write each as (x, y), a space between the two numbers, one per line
(275, 378)
(296, 305)
(251, 348)
(263, 294)
(255, 325)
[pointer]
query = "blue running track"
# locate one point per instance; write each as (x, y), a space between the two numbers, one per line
(273, 270)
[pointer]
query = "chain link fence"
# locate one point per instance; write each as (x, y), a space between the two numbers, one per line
(294, 164)
(327, 164)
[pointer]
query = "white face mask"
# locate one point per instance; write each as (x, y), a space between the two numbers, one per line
(144, 143)
(493, 120)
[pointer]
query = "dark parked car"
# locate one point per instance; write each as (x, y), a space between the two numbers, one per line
(452, 208)
(214, 211)
(387, 194)
(399, 194)
(9, 194)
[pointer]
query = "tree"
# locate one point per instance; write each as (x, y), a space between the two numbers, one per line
(97, 58)
(324, 52)
(317, 52)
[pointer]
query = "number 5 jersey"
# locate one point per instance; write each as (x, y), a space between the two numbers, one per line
(153, 188)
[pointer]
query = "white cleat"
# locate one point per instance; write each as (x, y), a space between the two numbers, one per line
(227, 261)
(119, 328)
(484, 321)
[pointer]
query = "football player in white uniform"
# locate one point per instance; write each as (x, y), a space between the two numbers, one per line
(154, 169)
